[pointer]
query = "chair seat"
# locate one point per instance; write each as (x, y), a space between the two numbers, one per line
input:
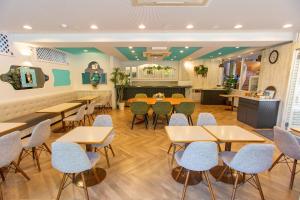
(25, 143)
(178, 156)
(70, 118)
(227, 156)
(93, 157)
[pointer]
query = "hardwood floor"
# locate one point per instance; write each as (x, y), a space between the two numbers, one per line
(142, 170)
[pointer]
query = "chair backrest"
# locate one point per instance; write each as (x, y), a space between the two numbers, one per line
(200, 156)
(186, 108)
(205, 119)
(105, 120)
(139, 107)
(177, 95)
(287, 143)
(10, 148)
(140, 95)
(178, 119)
(69, 158)
(80, 113)
(162, 107)
(91, 108)
(40, 133)
(253, 158)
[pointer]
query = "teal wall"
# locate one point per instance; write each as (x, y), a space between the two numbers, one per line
(61, 77)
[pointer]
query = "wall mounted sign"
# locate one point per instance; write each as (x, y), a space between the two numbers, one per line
(61, 77)
(94, 75)
(22, 77)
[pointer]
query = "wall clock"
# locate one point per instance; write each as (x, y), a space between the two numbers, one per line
(273, 57)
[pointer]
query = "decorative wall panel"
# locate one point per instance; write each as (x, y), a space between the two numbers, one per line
(61, 77)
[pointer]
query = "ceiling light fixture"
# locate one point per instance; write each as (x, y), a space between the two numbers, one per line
(142, 26)
(85, 50)
(220, 53)
(186, 47)
(94, 27)
(189, 26)
(238, 26)
(237, 47)
(251, 53)
(287, 26)
(27, 27)
(64, 25)
(130, 47)
(133, 51)
(181, 51)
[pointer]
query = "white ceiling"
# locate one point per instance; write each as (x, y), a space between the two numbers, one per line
(122, 16)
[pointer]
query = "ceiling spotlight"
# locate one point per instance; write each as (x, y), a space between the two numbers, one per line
(130, 47)
(287, 26)
(186, 47)
(220, 53)
(172, 59)
(137, 59)
(189, 26)
(64, 25)
(142, 26)
(85, 50)
(27, 27)
(94, 27)
(133, 51)
(237, 47)
(238, 26)
(181, 51)
(251, 53)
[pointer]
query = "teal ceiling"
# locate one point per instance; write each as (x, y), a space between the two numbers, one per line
(222, 52)
(136, 53)
(178, 53)
(80, 50)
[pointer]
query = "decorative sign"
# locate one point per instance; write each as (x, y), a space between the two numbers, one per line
(22, 77)
(61, 77)
(94, 75)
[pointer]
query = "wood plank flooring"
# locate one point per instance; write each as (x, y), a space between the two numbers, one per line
(141, 170)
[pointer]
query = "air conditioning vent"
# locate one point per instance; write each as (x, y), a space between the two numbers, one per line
(170, 2)
(156, 54)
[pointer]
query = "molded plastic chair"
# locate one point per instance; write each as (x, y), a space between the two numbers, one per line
(89, 113)
(250, 160)
(161, 108)
(186, 108)
(77, 118)
(71, 159)
(141, 95)
(177, 119)
(198, 156)
(36, 143)
(289, 146)
(139, 108)
(105, 121)
(10, 148)
(177, 96)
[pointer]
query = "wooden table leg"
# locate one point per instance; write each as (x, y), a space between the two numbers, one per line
(62, 120)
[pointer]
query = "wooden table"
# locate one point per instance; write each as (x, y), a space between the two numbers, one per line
(88, 135)
(296, 131)
(152, 101)
(230, 134)
(9, 127)
(187, 134)
(232, 97)
(61, 108)
(88, 99)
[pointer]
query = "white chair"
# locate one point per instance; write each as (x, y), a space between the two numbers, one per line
(77, 118)
(289, 145)
(250, 160)
(36, 143)
(200, 157)
(105, 121)
(10, 148)
(89, 112)
(177, 119)
(104, 103)
(71, 159)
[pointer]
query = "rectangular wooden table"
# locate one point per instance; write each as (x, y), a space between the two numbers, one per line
(152, 101)
(61, 108)
(88, 99)
(296, 131)
(88, 135)
(9, 127)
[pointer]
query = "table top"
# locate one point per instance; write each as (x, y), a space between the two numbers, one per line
(152, 101)
(229, 95)
(188, 134)
(296, 130)
(9, 127)
(59, 108)
(88, 98)
(233, 134)
(86, 135)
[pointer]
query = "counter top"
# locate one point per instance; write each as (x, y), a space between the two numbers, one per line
(175, 86)
(258, 99)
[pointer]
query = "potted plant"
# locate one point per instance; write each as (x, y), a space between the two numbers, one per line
(120, 80)
(230, 83)
(201, 70)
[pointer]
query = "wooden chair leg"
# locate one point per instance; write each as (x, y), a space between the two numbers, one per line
(170, 148)
(106, 156)
(257, 182)
(111, 149)
(84, 186)
(173, 154)
(146, 121)
(133, 120)
(37, 159)
(62, 184)
(20, 157)
(46, 146)
(222, 173)
(178, 175)
(276, 161)
(1, 195)
(155, 122)
(293, 174)
(209, 186)
(20, 170)
(219, 147)
(2, 175)
(167, 118)
(235, 187)
(191, 120)
(185, 185)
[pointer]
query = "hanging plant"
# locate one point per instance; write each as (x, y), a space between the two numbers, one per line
(201, 70)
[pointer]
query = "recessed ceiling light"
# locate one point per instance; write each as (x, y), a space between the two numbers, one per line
(27, 27)
(133, 51)
(239, 56)
(64, 25)
(137, 59)
(287, 26)
(237, 47)
(189, 26)
(220, 53)
(186, 47)
(181, 51)
(130, 47)
(142, 26)
(229, 58)
(85, 50)
(172, 59)
(174, 56)
(238, 26)
(94, 27)
(251, 53)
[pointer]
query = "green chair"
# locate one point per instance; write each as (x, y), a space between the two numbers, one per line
(139, 108)
(177, 96)
(186, 108)
(140, 95)
(161, 108)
